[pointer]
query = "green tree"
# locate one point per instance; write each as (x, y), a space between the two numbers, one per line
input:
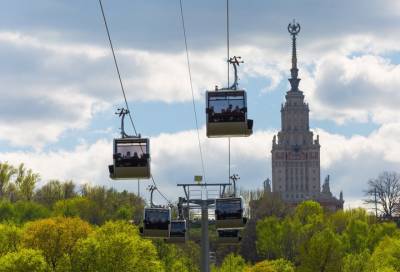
(322, 253)
(68, 189)
(10, 237)
(49, 193)
(292, 238)
(308, 211)
(232, 263)
(356, 262)
(267, 204)
(79, 206)
(279, 265)
(173, 258)
(28, 211)
(116, 246)
(380, 230)
(124, 213)
(386, 256)
(26, 181)
(7, 211)
(7, 171)
(338, 221)
(53, 191)
(269, 238)
(356, 236)
(55, 237)
(192, 252)
(25, 260)
(109, 201)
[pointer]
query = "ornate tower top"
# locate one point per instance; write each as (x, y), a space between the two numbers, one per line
(294, 29)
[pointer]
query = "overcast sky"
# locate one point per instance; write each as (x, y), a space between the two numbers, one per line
(59, 89)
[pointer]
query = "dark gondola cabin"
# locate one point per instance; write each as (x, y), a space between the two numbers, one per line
(157, 222)
(226, 113)
(178, 231)
(131, 158)
(229, 213)
(229, 236)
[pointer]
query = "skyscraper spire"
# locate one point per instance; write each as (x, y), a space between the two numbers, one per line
(294, 29)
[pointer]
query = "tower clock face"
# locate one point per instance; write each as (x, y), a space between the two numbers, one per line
(292, 155)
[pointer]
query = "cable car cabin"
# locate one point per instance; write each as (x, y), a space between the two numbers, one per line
(226, 114)
(229, 236)
(177, 233)
(229, 213)
(157, 222)
(131, 158)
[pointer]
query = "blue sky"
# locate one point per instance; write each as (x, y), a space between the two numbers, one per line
(57, 74)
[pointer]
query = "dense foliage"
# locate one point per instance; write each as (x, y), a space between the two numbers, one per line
(314, 240)
(60, 227)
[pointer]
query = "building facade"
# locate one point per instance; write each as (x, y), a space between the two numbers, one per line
(295, 150)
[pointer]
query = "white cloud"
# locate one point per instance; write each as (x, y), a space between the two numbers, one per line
(58, 86)
(85, 163)
(72, 76)
(175, 159)
(28, 42)
(360, 88)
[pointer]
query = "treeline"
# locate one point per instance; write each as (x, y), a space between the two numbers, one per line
(343, 241)
(22, 201)
(64, 227)
(70, 244)
(309, 239)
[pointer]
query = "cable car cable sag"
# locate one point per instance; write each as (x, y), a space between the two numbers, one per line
(123, 89)
(116, 65)
(191, 87)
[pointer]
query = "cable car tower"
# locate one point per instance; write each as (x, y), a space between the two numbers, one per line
(229, 217)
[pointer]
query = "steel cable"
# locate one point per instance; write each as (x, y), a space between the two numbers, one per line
(123, 89)
(191, 88)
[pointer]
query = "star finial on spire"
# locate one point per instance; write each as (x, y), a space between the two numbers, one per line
(294, 29)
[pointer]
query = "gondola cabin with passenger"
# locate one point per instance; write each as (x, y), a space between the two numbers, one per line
(229, 213)
(226, 114)
(131, 154)
(157, 222)
(226, 109)
(131, 158)
(177, 232)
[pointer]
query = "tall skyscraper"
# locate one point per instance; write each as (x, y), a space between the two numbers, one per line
(296, 152)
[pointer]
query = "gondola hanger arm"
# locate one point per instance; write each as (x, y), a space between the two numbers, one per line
(235, 61)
